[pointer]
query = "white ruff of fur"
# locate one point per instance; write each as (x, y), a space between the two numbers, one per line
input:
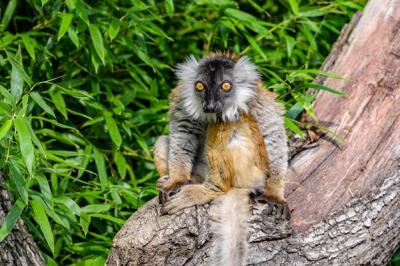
(187, 73)
(245, 84)
(245, 88)
(230, 229)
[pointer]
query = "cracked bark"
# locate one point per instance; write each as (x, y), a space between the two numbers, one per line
(344, 199)
(18, 249)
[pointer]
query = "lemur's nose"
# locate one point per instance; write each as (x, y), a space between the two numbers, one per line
(212, 107)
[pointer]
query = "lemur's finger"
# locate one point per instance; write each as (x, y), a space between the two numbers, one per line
(162, 197)
(161, 182)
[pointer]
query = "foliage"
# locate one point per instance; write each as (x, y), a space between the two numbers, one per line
(84, 89)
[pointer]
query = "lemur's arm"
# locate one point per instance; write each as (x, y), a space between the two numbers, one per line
(269, 116)
(184, 139)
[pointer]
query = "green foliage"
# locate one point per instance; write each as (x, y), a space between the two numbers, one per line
(84, 89)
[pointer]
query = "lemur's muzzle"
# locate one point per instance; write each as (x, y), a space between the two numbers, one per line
(212, 107)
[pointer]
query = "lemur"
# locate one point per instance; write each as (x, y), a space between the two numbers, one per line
(227, 135)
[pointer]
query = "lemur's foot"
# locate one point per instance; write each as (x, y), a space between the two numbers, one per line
(166, 189)
(278, 208)
(176, 202)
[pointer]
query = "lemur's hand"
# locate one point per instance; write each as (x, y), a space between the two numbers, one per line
(169, 187)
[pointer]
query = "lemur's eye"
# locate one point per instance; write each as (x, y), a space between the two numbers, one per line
(199, 86)
(226, 86)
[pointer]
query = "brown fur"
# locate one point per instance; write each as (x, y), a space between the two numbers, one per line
(237, 158)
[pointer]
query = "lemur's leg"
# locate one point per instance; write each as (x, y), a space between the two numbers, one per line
(161, 148)
(161, 155)
(191, 195)
(274, 188)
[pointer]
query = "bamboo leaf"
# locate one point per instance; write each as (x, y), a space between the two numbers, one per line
(291, 124)
(97, 40)
(5, 128)
(120, 161)
(294, 6)
(59, 102)
(11, 219)
(169, 7)
(10, 9)
(96, 208)
(42, 103)
(73, 36)
(25, 143)
(66, 19)
(113, 129)
(40, 217)
(19, 181)
(29, 44)
(114, 28)
(101, 166)
(16, 63)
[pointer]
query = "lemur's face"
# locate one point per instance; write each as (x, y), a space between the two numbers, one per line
(217, 87)
(215, 83)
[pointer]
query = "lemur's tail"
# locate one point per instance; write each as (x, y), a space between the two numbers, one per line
(230, 216)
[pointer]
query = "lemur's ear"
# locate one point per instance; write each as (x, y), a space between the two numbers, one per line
(245, 72)
(187, 70)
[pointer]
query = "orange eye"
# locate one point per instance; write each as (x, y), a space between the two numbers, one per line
(226, 86)
(199, 86)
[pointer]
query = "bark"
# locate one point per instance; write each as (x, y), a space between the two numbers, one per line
(344, 196)
(18, 249)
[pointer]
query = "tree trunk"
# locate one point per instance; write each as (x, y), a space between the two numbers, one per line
(344, 198)
(18, 249)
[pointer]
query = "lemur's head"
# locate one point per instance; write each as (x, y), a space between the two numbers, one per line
(219, 85)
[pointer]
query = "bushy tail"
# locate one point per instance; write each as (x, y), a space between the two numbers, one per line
(230, 215)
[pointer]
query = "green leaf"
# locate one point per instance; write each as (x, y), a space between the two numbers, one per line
(114, 28)
(97, 40)
(291, 124)
(12, 4)
(35, 139)
(42, 103)
(290, 43)
(19, 181)
(40, 217)
(17, 81)
(29, 44)
(169, 7)
(112, 129)
(45, 188)
(101, 166)
(5, 128)
(84, 222)
(25, 143)
(86, 158)
(96, 208)
(73, 36)
(322, 87)
(70, 204)
(66, 19)
(16, 63)
(240, 15)
(294, 6)
(11, 219)
(294, 111)
(59, 102)
(256, 46)
(120, 161)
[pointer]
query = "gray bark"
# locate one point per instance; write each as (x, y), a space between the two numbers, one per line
(18, 249)
(344, 198)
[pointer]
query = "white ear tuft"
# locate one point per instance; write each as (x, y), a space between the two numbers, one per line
(187, 70)
(246, 71)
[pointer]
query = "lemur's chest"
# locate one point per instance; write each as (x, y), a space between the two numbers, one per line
(235, 149)
(232, 136)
